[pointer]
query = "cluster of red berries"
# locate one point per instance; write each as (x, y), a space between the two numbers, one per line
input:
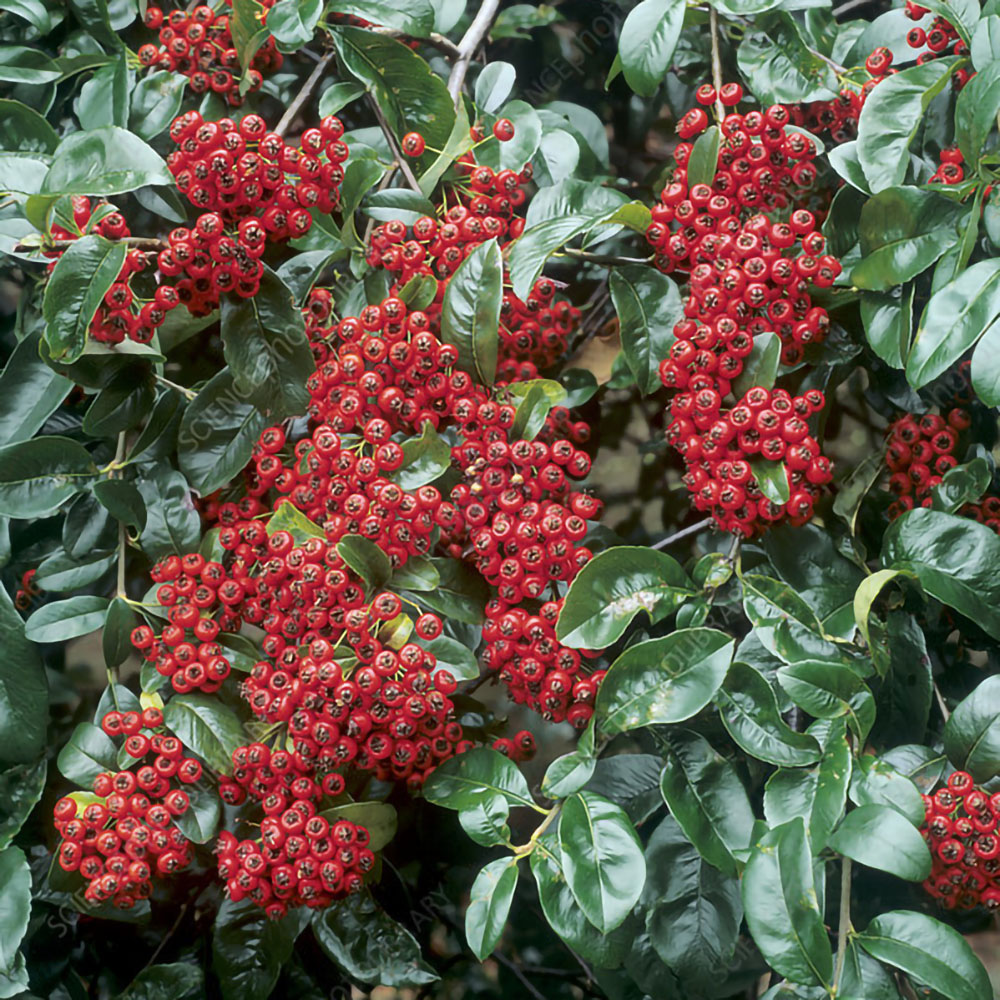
(747, 276)
(950, 169)
(301, 859)
(120, 842)
(186, 649)
(538, 670)
(519, 747)
(940, 38)
(252, 188)
(122, 314)
(28, 591)
(920, 451)
(198, 43)
(962, 829)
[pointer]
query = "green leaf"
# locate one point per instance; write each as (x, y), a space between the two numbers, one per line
(986, 366)
(378, 818)
(972, 732)
(828, 691)
(486, 822)
(963, 15)
(707, 799)
(613, 588)
(176, 981)
(772, 478)
(366, 559)
(880, 837)
(249, 949)
(458, 143)
(489, 904)
(693, 912)
(89, 752)
(749, 711)
(30, 391)
(417, 573)
(631, 781)
(15, 904)
(200, 822)
(888, 323)
(985, 46)
(819, 794)
(217, 434)
(890, 118)
(173, 526)
(648, 305)
(338, 96)
(704, 158)
(414, 17)
(118, 624)
(877, 782)
(368, 945)
(647, 42)
(59, 621)
(410, 95)
(568, 774)
(61, 571)
(663, 680)
(120, 405)
(956, 316)
(21, 787)
(954, 558)
(601, 858)
(122, 500)
(760, 367)
(462, 594)
(24, 130)
(293, 22)
(33, 11)
(530, 251)
(289, 518)
(902, 232)
(533, 408)
(104, 161)
(405, 205)
(156, 102)
(207, 727)
(27, 66)
(780, 66)
(24, 703)
(467, 780)
(265, 344)
(931, 952)
(81, 278)
(425, 459)
(493, 86)
(782, 908)
(470, 312)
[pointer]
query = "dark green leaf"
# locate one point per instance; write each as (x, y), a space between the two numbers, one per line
(493, 86)
(30, 391)
(156, 101)
(880, 837)
(465, 781)
(120, 405)
(451, 655)
(888, 323)
(425, 459)
(20, 789)
(780, 66)
(378, 818)
(366, 559)
(62, 620)
(648, 305)
(568, 774)
(489, 903)
(207, 727)
(986, 367)
(104, 161)
(707, 799)
(23, 129)
(929, 951)
(663, 680)
(782, 911)
(760, 367)
(470, 312)
(123, 501)
(15, 904)
(82, 277)
(89, 752)
(177, 981)
(828, 691)
(293, 22)
(462, 594)
(601, 858)
(28, 66)
(61, 571)
(118, 624)
(338, 96)
(24, 709)
(972, 732)
(877, 782)
(647, 42)
(173, 526)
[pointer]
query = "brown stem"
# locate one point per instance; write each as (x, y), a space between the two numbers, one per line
(394, 146)
(471, 41)
(145, 243)
(304, 94)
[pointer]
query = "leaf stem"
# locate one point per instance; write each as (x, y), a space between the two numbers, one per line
(471, 40)
(187, 393)
(604, 258)
(305, 92)
(532, 842)
(844, 923)
(713, 24)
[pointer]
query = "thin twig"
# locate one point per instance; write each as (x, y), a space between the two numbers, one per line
(692, 529)
(122, 537)
(713, 24)
(383, 124)
(438, 41)
(146, 243)
(835, 66)
(471, 41)
(525, 982)
(304, 94)
(844, 924)
(188, 393)
(604, 258)
(945, 714)
(850, 5)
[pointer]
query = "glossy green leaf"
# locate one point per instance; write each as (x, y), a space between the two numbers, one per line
(462, 593)
(15, 903)
(425, 459)
(707, 798)
(364, 941)
(118, 624)
(175, 981)
(782, 908)
(888, 323)
(780, 66)
(19, 64)
(266, 347)
(829, 690)
(986, 366)
(366, 559)
(613, 588)
(293, 22)
(200, 822)
(880, 837)
(21, 787)
(378, 818)
(24, 708)
(749, 711)
(489, 903)
(972, 732)
(486, 822)
(76, 287)
(956, 316)
(877, 782)
(59, 621)
(30, 392)
(104, 161)
(465, 781)
(493, 86)
(601, 857)
(954, 558)
(663, 680)
(648, 305)
(568, 774)
(470, 312)
(931, 952)
(156, 102)
(173, 526)
(24, 130)
(647, 42)
(889, 120)
(88, 753)
(207, 727)
(760, 367)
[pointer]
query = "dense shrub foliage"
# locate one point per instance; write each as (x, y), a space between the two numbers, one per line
(498, 499)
